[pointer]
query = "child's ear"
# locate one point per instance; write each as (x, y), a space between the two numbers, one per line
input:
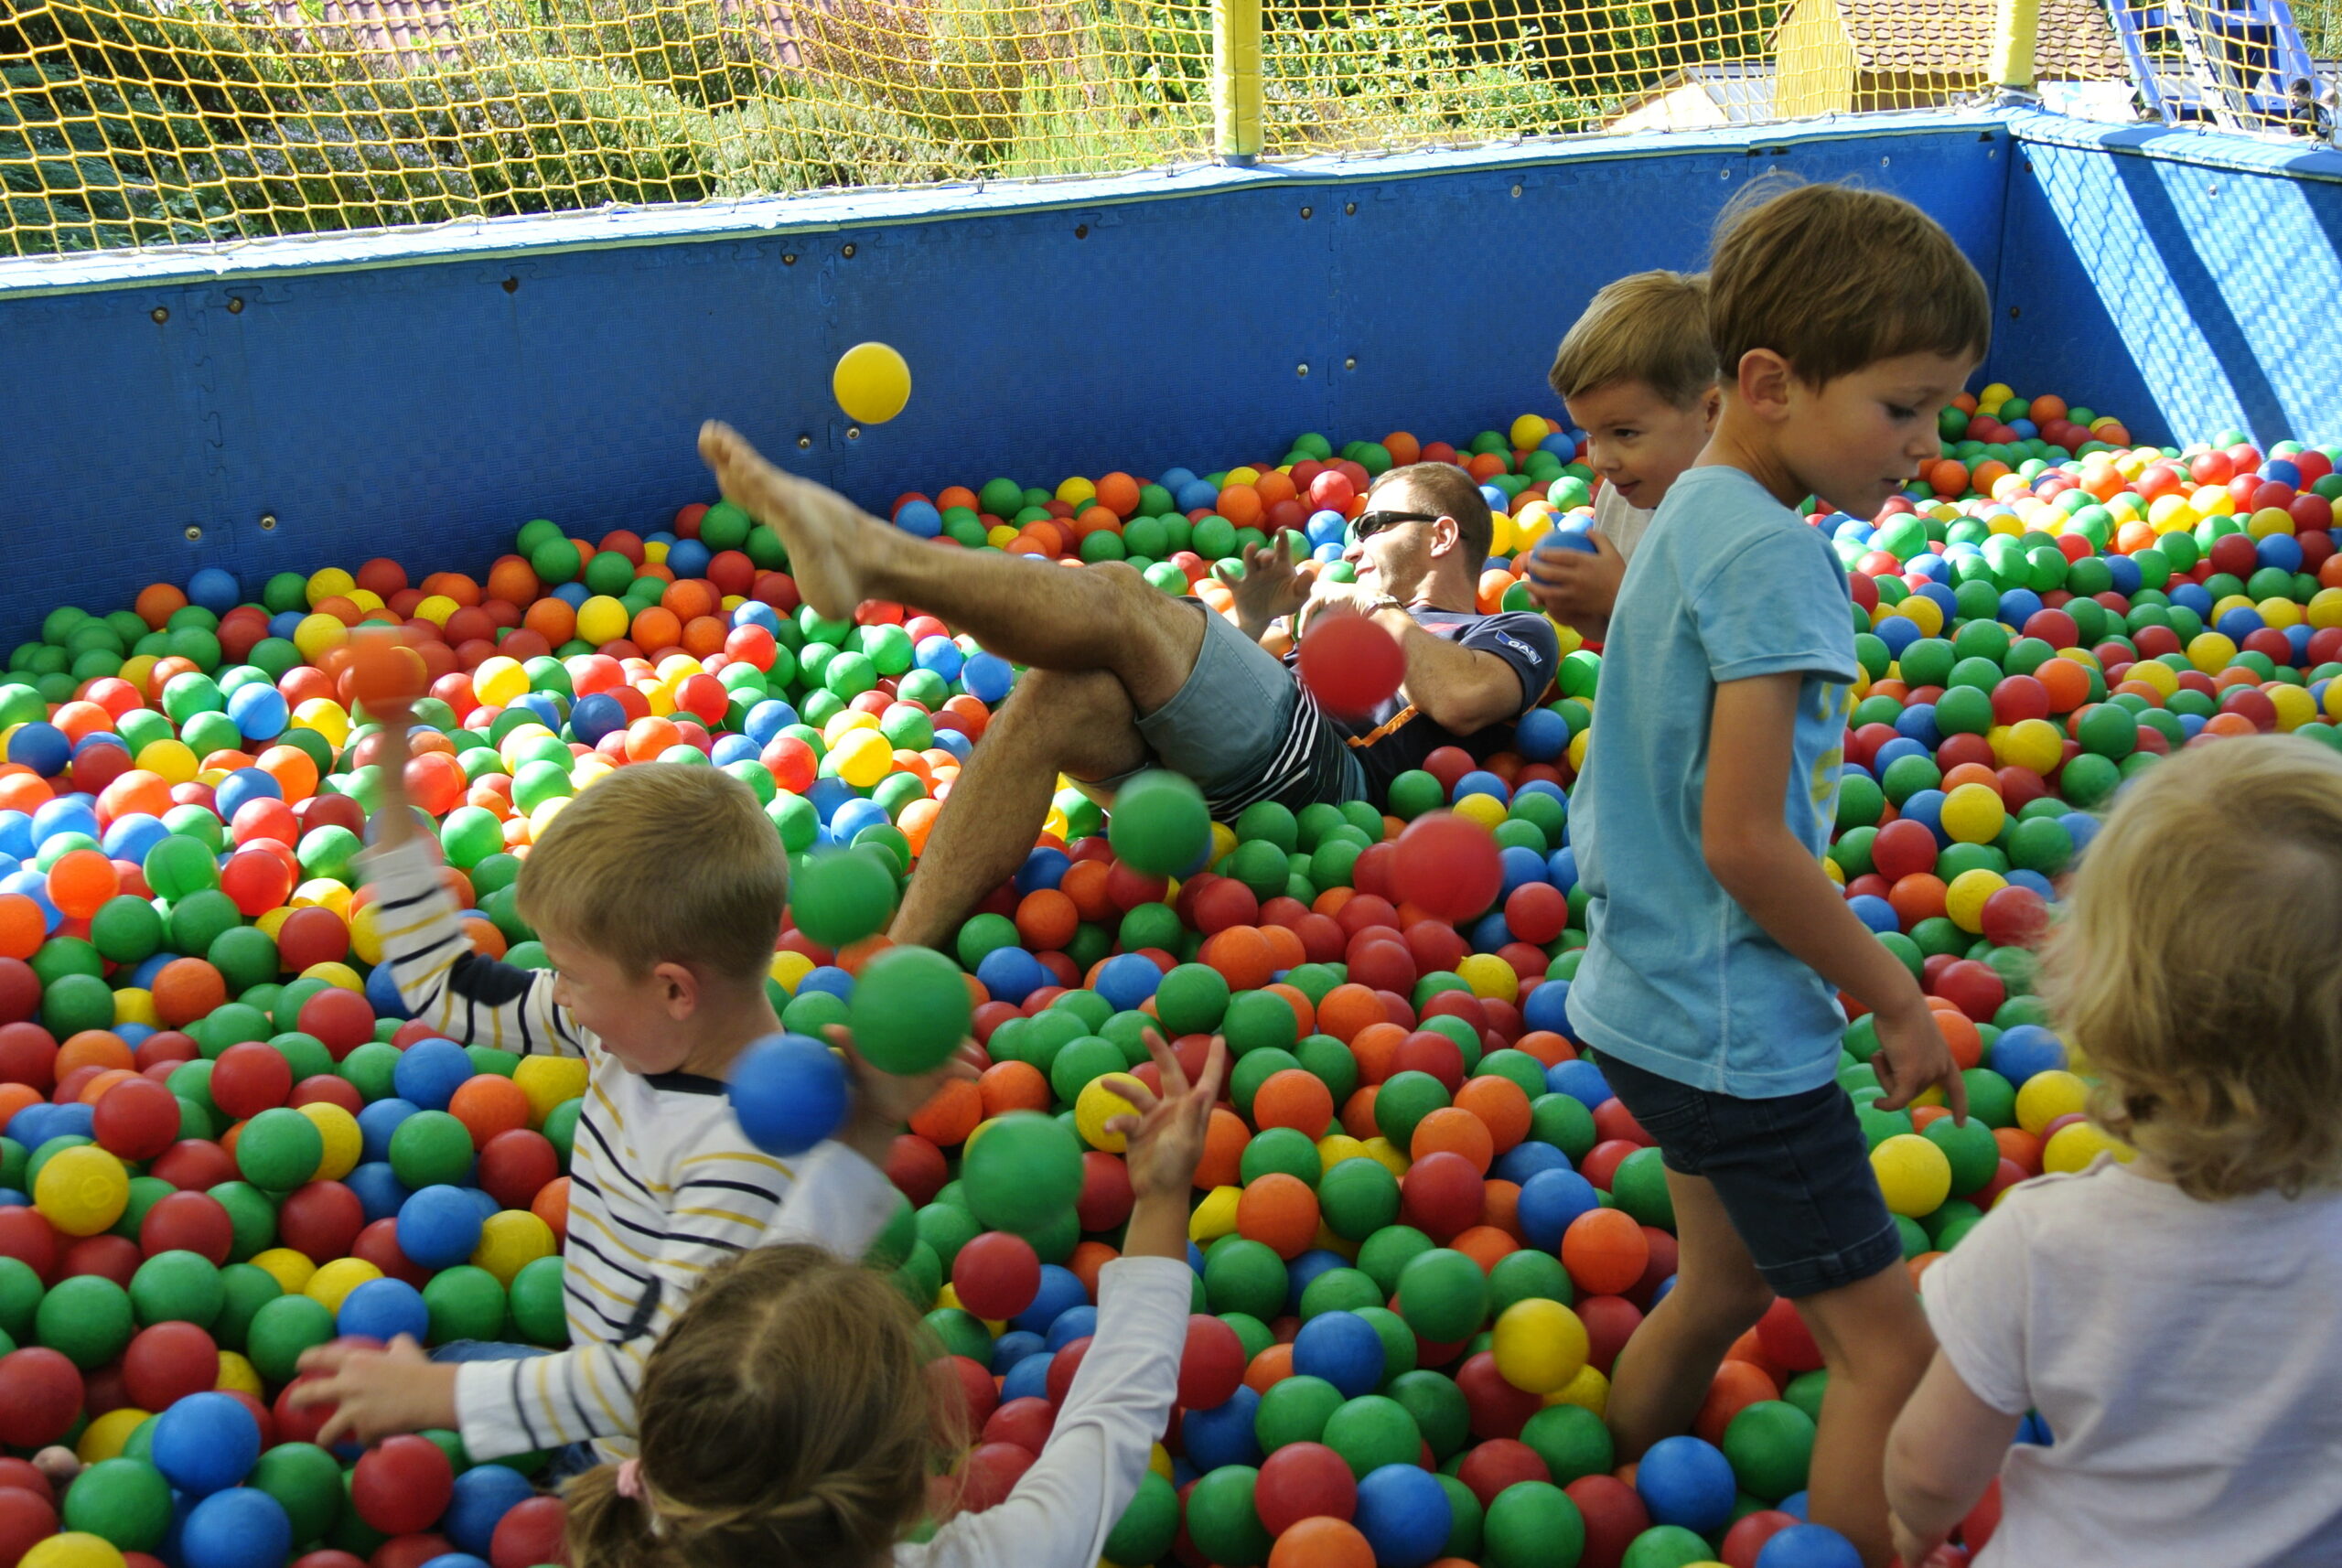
(1763, 379)
(678, 990)
(1710, 408)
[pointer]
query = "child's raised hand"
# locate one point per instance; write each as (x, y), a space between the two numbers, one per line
(1911, 1056)
(883, 1102)
(1167, 1135)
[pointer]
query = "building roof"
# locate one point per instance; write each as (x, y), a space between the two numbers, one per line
(1954, 37)
(1740, 91)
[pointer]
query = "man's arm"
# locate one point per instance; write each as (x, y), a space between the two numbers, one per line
(1462, 690)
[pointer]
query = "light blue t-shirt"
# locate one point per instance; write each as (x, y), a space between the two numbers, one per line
(1677, 980)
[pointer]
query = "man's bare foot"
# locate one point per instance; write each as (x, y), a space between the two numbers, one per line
(822, 532)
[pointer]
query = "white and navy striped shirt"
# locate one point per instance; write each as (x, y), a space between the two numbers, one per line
(663, 1183)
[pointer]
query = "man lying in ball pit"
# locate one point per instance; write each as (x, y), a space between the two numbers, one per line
(1123, 677)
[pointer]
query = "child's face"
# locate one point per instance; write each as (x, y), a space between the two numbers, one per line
(1637, 441)
(640, 1018)
(1856, 441)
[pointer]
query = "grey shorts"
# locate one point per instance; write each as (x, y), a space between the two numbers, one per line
(1243, 729)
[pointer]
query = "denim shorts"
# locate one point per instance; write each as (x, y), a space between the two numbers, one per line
(1793, 1173)
(1242, 728)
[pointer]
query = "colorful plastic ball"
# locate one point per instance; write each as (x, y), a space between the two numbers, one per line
(40, 1397)
(1404, 1514)
(1160, 825)
(383, 1309)
(789, 1092)
(206, 1442)
(483, 1496)
(167, 1361)
(74, 1549)
(1344, 1350)
(403, 1485)
(841, 896)
(872, 383)
(1223, 1520)
(1809, 1546)
(1913, 1175)
(1532, 1524)
(1684, 1481)
(530, 1533)
(1540, 1345)
(1350, 663)
(1304, 1480)
(911, 1010)
(439, 1226)
(238, 1528)
(279, 1149)
(126, 1502)
(510, 1240)
(83, 1190)
(996, 1275)
(26, 1518)
(1447, 865)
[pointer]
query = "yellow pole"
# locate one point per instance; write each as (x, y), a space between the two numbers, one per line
(2014, 31)
(1236, 79)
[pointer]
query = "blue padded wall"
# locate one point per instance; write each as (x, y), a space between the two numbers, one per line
(421, 397)
(2191, 283)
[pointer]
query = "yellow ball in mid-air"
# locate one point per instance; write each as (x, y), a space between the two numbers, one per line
(872, 383)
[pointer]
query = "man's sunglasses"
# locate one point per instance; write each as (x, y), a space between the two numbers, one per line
(1366, 525)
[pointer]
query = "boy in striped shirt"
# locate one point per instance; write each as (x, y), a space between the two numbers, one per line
(658, 894)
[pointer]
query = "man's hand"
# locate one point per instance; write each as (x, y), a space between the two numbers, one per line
(1911, 1056)
(884, 1101)
(1574, 587)
(1272, 585)
(1330, 597)
(376, 1393)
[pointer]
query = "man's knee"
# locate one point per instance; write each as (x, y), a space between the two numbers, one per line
(1058, 700)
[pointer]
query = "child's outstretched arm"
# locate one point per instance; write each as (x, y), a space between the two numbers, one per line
(1752, 854)
(1946, 1446)
(1062, 1510)
(469, 997)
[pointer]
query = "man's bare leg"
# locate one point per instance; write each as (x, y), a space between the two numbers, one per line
(1105, 617)
(1082, 724)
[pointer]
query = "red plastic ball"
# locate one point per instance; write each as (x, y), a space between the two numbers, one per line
(1211, 1366)
(515, 1165)
(187, 1222)
(1447, 866)
(167, 1361)
(1499, 1462)
(115, 1258)
(137, 1119)
(1782, 1334)
(195, 1165)
(1498, 1409)
(25, 1518)
(1304, 1480)
(529, 1533)
(403, 1485)
(379, 1244)
(342, 1019)
(250, 1079)
(1614, 1516)
(996, 1275)
(26, 1235)
(40, 1395)
(320, 1220)
(1025, 1422)
(1442, 1194)
(1350, 664)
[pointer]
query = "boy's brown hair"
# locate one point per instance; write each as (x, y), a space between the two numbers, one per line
(661, 862)
(1450, 491)
(1650, 328)
(1833, 279)
(2194, 974)
(789, 1415)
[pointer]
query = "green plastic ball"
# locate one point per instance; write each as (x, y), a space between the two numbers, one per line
(88, 1317)
(1532, 1524)
(125, 1501)
(1022, 1171)
(1373, 1431)
(1160, 825)
(282, 1330)
(911, 1010)
(1443, 1295)
(465, 1303)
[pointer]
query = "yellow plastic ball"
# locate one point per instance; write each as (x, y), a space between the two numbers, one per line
(1578, 744)
(133, 1005)
(436, 609)
(83, 1190)
(862, 757)
(1489, 975)
(1387, 1155)
(788, 967)
(1993, 396)
(602, 619)
(1540, 1345)
(1914, 1175)
(2073, 1146)
(105, 1437)
(335, 973)
(1095, 1106)
(2046, 1096)
(1923, 612)
(1529, 432)
(292, 1271)
(2156, 673)
(2035, 743)
(237, 1375)
(366, 935)
(2295, 706)
(872, 383)
(318, 634)
(337, 1279)
(325, 717)
(343, 1142)
(845, 721)
(1964, 900)
(509, 1241)
(1336, 1147)
(2325, 609)
(172, 760)
(1077, 491)
(500, 681)
(1215, 1217)
(1590, 1389)
(676, 668)
(324, 893)
(549, 1081)
(74, 1549)
(1243, 473)
(333, 582)
(1974, 813)
(2210, 651)
(1485, 809)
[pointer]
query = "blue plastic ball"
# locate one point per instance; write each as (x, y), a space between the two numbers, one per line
(1685, 1481)
(383, 1309)
(41, 746)
(439, 1226)
(1011, 974)
(1578, 1079)
(2025, 1049)
(240, 1527)
(207, 1442)
(1128, 979)
(377, 1121)
(1809, 1546)
(789, 1092)
(1404, 1514)
(379, 1192)
(1549, 1201)
(430, 1071)
(1223, 1434)
(213, 589)
(1061, 1291)
(1343, 1348)
(484, 1495)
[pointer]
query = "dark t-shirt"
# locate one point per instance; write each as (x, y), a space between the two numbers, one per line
(1396, 736)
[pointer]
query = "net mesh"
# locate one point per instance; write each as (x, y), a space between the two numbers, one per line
(141, 123)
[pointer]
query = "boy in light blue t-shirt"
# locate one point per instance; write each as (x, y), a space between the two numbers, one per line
(1844, 321)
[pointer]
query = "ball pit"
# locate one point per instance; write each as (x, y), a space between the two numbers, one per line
(1424, 1228)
